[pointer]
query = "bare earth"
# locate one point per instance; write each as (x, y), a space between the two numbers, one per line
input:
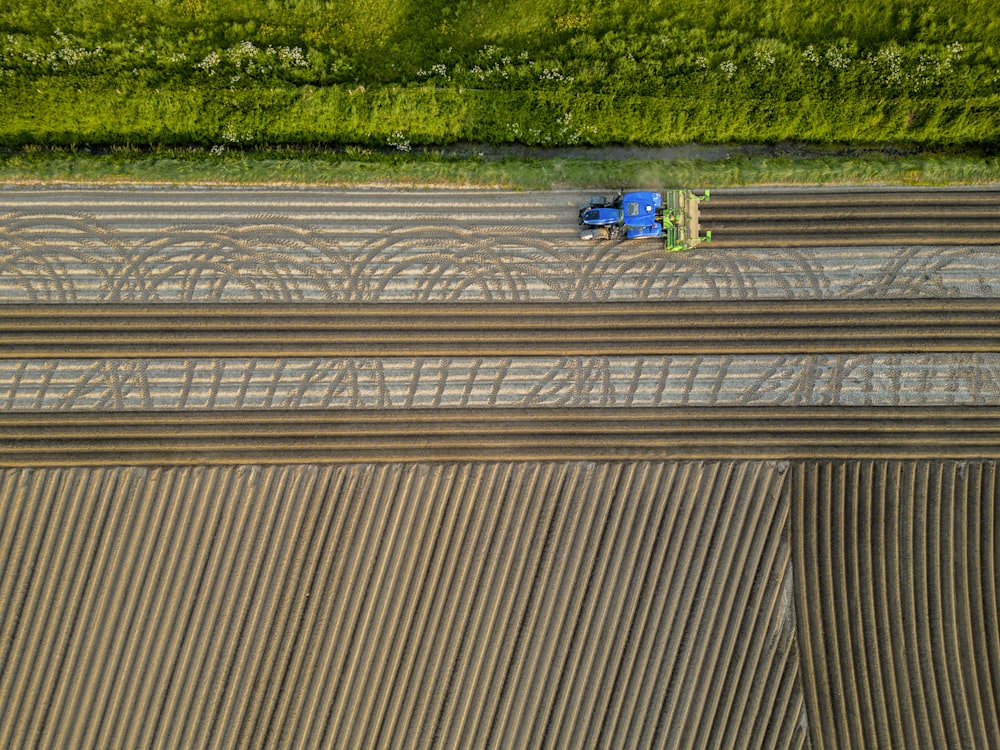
(639, 592)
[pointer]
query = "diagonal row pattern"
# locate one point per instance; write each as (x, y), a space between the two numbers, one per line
(497, 599)
(455, 605)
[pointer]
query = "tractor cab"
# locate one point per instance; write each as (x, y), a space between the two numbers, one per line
(642, 213)
(627, 215)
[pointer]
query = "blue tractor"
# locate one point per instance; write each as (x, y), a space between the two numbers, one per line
(644, 213)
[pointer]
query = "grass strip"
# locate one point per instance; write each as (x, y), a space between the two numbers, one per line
(59, 113)
(356, 167)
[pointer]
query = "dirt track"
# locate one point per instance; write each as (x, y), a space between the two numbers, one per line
(474, 483)
(446, 246)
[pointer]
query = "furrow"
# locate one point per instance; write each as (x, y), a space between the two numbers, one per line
(210, 437)
(988, 566)
(471, 539)
(68, 332)
(350, 499)
(744, 684)
(897, 573)
(582, 637)
(529, 601)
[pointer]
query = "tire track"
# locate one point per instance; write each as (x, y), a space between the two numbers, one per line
(440, 246)
(619, 577)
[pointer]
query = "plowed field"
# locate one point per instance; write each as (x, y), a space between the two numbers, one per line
(896, 579)
(302, 468)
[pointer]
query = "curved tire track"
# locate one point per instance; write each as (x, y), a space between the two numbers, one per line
(442, 246)
(556, 600)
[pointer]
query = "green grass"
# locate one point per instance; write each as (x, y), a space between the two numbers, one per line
(537, 72)
(360, 167)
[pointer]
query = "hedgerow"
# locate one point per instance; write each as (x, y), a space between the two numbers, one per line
(548, 72)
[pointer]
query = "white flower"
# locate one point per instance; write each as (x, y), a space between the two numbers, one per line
(836, 58)
(398, 141)
(208, 64)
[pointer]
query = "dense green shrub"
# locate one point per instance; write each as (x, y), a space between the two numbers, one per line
(545, 72)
